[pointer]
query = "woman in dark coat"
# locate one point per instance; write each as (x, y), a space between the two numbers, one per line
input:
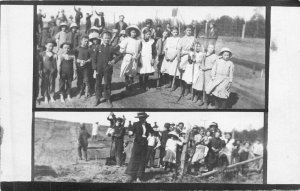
(214, 145)
(136, 167)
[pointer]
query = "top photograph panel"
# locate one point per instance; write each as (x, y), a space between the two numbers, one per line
(164, 57)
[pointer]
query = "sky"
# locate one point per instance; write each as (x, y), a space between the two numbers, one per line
(226, 120)
(134, 14)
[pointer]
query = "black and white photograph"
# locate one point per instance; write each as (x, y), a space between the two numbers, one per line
(201, 57)
(149, 147)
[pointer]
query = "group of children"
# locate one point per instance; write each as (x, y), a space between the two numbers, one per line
(207, 148)
(204, 77)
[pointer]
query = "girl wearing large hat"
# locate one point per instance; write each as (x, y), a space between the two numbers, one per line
(137, 164)
(171, 149)
(131, 48)
(222, 76)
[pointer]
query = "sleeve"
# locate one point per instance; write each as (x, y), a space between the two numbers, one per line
(154, 52)
(123, 46)
(94, 62)
(158, 142)
(231, 70)
(158, 47)
(214, 70)
(116, 26)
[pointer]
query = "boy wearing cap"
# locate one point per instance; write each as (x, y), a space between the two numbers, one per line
(103, 60)
(66, 67)
(95, 42)
(75, 36)
(118, 140)
(78, 15)
(83, 61)
(62, 36)
(48, 70)
(83, 142)
(88, 22)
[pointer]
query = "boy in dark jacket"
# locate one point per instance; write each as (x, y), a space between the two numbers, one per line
(103, 60)
(83, 55)
(75, 36)
(118, 140)
(83, 142)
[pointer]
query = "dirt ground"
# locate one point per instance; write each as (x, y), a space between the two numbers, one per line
(55, 155)
(247, 92)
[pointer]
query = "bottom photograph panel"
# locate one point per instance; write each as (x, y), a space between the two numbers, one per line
(149, 147)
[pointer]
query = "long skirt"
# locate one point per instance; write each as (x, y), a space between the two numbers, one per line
(170, 157)
(200, 81)
(128, 66)
(199, 154)
(189, 76)
(146, 67)
(219, 87)
(169, 67)
(137, 164)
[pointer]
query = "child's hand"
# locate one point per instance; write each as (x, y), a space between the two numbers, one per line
(152, 62)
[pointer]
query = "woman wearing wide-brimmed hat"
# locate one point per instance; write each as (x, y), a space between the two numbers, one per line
(222, 76)
(137, 164)
(131, 48)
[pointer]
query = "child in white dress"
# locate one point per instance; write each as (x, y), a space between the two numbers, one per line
(222, 76)
(204, 76)
(169, 64)
(185, 45)
(146, 64)
(131, 48)
(171, 148)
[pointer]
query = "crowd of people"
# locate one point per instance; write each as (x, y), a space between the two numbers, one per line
(204, 76)
(145, 146)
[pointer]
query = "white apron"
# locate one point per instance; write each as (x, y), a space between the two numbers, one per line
(146, 58)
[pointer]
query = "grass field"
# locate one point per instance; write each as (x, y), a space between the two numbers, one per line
(55, 159)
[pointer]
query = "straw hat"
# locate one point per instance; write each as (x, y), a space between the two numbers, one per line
(142, 115)
(173, 133)
(133, 27)
(63, 24)
(49, 40)
(61, 46)
(73, 25)
(94, 28)
(123, 32)
(225, 49)
(93, 36)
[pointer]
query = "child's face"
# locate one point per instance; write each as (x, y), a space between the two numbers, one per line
(66, 48)
(84, 42)
(210, 48)
(174, 32)
(148, 25)
(49, 47)
(63, 28)
(188, 31)
(217, 134)
(106, 39)
(208, 133)
(133, 33)
(226, 55)
(165, 34)
(95, 41)
(147, 36)
(198, 47)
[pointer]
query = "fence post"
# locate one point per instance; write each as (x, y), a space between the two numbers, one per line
(243, 32)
